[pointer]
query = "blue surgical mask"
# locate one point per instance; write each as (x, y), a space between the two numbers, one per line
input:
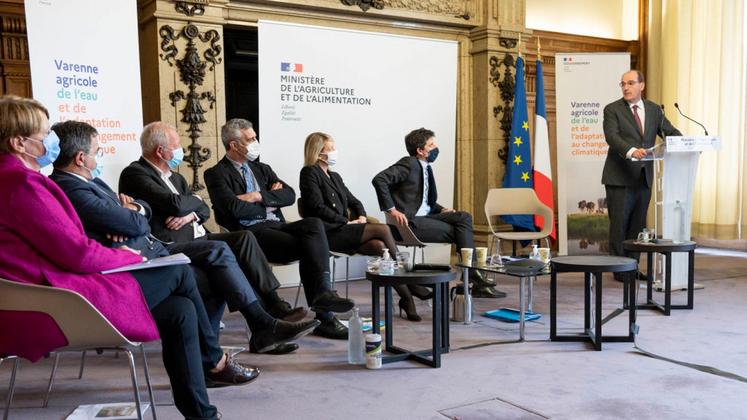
(95, 172)
(51, 149)
(176, 159)
(432, 155)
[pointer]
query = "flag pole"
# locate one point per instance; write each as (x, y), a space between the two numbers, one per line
(539, 50)
(520, 45)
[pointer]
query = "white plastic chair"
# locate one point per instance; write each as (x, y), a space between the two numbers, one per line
(84, 327)
(514, 201)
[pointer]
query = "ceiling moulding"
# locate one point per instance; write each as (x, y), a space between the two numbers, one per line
(455, 13)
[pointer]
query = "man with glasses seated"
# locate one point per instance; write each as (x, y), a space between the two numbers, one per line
(116, 220)
(631, 125)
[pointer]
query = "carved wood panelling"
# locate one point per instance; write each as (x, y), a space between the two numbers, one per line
(15, 69)
(442, 7)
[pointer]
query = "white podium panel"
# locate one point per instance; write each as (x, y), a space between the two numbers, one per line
(676, 187)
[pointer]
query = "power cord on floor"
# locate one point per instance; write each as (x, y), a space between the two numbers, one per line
(702, 368)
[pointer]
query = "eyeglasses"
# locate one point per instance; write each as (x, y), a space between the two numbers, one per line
(629, 83)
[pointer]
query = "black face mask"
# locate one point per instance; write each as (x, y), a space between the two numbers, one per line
(432, 155)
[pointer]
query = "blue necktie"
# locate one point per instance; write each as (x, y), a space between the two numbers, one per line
(248, 178)
(431, 199)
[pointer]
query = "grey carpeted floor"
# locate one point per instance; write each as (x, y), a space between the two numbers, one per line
(529, 380)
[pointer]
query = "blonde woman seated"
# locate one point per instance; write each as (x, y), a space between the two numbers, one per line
(325, 196)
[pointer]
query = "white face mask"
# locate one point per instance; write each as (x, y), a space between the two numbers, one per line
(252, 151)
(331, 158)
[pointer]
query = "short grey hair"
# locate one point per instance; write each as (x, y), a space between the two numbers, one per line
(232, 130)
(155, 134)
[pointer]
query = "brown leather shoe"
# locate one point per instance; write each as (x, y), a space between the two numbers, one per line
(234, 373)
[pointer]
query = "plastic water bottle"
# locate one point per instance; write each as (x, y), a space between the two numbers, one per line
(679, 223)
(356, 345)
(535, 253)
(387, 263)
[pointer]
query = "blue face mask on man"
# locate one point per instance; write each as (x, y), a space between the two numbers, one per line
(51, 149)
(176, 159)
(432, 155)
(95, 172)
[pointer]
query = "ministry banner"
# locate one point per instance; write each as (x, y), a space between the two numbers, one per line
(79, 74)
(585, 84)
(365, 89)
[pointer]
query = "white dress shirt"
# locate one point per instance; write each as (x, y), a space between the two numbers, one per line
(199, 230)
(642, 115)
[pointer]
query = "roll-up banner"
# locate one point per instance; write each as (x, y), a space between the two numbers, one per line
(80, 74)
(585, 84)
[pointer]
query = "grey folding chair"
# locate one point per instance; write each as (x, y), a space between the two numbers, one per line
(84, 327)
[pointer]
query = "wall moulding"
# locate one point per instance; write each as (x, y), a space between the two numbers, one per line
(445, 13)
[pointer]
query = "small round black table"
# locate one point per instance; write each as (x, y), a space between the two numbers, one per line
(439, 281)
(665, 248)
(591, 265)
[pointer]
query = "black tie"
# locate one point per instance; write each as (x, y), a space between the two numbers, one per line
(431, 187)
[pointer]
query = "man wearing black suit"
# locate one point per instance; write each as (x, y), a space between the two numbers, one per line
(407, 191)
(248, 195)
(631, 125)
(119, 220)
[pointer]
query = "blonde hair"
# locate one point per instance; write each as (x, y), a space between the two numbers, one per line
(20, 117)
(313, 147)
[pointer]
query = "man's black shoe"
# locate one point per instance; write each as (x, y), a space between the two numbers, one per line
(280, 349)
(234, 373)
(487, 292)
(477, 278)
(328, 301)
(282, 310)
(642, 276)
(280, 333)
(620, 277)
(333, 329)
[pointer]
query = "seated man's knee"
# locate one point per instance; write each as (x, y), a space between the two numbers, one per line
(176, 316)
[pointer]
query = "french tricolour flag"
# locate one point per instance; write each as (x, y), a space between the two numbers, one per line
(542, 169)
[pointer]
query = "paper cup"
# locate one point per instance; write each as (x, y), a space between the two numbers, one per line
(466, 256)
(544, 254)
(482, 255)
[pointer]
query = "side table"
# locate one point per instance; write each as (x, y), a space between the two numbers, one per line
(439, 281)
(591, 265)
(665, 248)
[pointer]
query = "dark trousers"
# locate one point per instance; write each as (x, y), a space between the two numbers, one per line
(252, 261)
(216, 260)
(627, 207)
(186, 336)
(305, 241)
(452, 227)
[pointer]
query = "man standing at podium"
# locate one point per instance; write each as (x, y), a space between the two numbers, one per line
(631, 125)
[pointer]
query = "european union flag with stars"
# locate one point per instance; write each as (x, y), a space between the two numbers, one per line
(519, 162)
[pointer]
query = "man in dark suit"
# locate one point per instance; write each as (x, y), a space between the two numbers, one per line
(120, 220)
(248, 195)
(407, 191)
(631, 125)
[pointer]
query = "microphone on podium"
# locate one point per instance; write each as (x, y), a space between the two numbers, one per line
(680, 111)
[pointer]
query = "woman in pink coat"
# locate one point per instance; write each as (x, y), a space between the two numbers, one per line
(42, 241)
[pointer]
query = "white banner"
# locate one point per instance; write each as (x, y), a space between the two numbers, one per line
(80, 74)
(367, 90)
(585, 84)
